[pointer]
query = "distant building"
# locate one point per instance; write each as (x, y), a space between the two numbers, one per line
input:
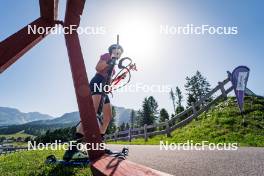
(20, 139)
(8, 140)
(7, 146)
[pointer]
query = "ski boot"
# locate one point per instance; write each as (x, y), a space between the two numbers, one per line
(73, 154)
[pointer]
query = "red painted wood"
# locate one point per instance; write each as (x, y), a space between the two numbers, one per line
(49, 9)
(108, 165)
(19, 43)
(85, 103)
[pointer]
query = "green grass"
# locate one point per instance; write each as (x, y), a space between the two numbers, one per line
(16, 135)
(31, 163)
(222, 124)
(18, 144)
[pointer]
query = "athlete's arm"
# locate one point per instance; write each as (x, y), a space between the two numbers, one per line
(101, 65)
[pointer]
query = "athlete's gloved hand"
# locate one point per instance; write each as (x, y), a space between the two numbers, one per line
(111, 62)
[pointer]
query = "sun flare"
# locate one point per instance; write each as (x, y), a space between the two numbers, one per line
(138, 37)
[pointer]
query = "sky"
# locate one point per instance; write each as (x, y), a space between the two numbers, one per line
(41, 79)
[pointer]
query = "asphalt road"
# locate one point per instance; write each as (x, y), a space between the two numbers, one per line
(245, 161)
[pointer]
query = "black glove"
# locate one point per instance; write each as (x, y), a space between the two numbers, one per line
(111, 62)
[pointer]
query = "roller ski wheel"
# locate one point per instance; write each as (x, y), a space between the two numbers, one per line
(123, 154)
(51, 159)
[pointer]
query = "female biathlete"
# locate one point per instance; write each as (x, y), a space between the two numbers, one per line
(102, 74)
(97, 82)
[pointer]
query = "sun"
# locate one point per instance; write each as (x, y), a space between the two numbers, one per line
(138, 36)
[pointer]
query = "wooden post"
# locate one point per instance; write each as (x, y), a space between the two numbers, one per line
(74, 9)
(222, 88)
(251, 103)
(168, 128)
(194, 109)
(145, 133)
(130, 134)
(116, 135)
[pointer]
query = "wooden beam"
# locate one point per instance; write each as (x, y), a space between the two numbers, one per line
(49, 9)
(113, 166)
(81, 84)
(13, 47)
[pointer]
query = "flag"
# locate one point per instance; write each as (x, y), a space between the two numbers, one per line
(239, 78)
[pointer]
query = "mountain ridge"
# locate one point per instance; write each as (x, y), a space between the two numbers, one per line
(12, 116)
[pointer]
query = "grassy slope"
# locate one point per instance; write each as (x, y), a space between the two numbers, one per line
(32, 163)
(223, 123)
(16, 135)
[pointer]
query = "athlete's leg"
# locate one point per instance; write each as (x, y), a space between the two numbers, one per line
(96, 101)
(107, 113)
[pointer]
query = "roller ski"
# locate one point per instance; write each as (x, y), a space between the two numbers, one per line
(123, 154)
(72, 157)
